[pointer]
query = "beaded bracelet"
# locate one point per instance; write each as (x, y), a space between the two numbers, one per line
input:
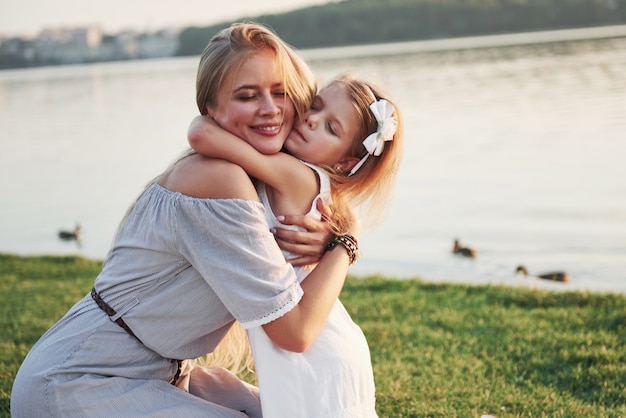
(349, 243)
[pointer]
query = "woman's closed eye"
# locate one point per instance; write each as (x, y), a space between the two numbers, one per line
(246, 97)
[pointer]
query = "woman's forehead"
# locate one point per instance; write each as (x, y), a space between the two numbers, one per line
(255, 71)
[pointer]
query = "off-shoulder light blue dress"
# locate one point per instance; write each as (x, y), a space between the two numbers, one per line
(179, 272)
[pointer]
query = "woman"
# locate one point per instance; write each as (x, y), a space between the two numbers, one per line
(193, 254)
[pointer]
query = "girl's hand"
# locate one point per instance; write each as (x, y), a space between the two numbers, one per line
(309, 244)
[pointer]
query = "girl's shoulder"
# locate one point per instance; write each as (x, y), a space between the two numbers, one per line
(322, 176)
(324, 191)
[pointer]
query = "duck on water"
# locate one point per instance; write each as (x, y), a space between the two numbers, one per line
(463, 251)
(555, 276)
(70, 235)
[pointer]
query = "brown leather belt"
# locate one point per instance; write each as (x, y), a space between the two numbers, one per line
(111, 312)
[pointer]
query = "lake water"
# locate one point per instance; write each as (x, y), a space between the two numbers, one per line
(516, 150)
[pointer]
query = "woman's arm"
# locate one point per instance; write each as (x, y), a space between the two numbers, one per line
(297, 329)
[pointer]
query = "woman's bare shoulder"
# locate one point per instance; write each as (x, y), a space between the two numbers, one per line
(208, 178)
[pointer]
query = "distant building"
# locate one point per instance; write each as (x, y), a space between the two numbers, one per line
(87, 44)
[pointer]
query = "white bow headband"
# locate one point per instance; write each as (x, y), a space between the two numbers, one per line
(387, 125)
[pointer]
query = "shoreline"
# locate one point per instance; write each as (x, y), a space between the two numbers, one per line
(470, 42)
(530, 283)
(462, 272)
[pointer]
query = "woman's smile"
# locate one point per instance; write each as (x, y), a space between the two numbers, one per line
(268, 129)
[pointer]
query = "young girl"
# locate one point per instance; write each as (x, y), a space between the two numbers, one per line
(345, 149)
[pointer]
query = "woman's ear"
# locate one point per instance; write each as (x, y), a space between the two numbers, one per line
(345, 165)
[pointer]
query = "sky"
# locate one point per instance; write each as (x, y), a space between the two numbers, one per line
(29, 17)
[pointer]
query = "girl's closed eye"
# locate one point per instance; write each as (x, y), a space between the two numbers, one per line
(330, 129)
(316, 106)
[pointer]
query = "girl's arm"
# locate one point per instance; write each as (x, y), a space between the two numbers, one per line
(280, 171)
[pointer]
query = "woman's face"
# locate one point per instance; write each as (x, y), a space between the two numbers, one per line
(252, 104)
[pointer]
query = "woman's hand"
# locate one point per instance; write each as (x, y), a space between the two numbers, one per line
(309, 244)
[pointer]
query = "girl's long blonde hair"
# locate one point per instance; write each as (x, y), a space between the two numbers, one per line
(370, 188)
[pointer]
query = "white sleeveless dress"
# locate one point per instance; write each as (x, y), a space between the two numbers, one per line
(334, 377)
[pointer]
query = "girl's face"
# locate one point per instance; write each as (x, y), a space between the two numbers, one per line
(252, 104)
(326, 132)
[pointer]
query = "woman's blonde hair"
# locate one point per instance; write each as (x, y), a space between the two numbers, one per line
(229, 48)
(371, 186)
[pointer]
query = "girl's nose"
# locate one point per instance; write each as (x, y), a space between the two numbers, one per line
(310, 120)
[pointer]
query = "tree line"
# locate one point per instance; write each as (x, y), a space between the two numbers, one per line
(355, 22)
(359, 22)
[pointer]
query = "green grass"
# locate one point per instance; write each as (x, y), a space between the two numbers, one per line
(454, 350)
(438, 350)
